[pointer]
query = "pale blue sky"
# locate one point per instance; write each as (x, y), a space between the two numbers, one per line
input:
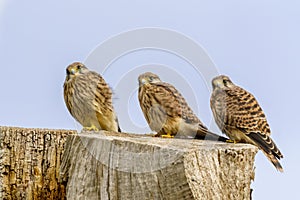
(256, 43)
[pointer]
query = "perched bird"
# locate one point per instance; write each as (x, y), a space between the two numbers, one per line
(89, 99)
(238, 115)
(167, 112)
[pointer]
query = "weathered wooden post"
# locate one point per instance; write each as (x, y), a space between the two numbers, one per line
(104, 166)
(58, 164)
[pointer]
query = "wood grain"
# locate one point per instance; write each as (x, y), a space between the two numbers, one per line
(105, 166)
(30, 163)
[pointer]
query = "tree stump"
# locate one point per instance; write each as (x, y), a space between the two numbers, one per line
(121, 166)
(30, 163)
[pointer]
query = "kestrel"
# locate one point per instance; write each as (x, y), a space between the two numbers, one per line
(89, 99)
(238, 115)
(167, 112)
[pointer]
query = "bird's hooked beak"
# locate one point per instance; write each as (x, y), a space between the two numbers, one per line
(218, 83)
(72, 71)
(143, 81)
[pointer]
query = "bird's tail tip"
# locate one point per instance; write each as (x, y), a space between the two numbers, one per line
(119, 129)
(278, 167)
(276, 163)
(222, 139)
(204, 134)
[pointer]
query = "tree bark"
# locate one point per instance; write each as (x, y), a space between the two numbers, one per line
(120, 166)
(30, 163)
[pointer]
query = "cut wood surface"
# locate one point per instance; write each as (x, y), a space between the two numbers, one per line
(120, 166)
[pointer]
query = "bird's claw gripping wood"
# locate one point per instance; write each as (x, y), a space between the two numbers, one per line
(167, 136)
(163, 135)
(231, 141)
(92, 128)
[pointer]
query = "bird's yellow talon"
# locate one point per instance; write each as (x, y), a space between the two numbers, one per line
(92, 128)
(167, 136)
(163, 135)
(231, 141)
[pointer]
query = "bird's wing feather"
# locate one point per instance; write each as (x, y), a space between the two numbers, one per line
(103, 103)
(244, 112)
(165, 93)
(265, 143)
(67, 92)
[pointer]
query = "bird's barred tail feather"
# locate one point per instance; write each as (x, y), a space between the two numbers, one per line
(274, 161)
(269, 148)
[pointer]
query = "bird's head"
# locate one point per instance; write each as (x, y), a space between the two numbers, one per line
(76, 69)
(222, 82)
(148, 77)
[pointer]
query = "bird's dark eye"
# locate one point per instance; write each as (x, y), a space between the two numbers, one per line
(150, 78)
(78, 66)
(225, 81)
(67, 72)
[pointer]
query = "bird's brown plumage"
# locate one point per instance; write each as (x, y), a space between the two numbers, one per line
(167, 112)
(89, 98)
(238, 115)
